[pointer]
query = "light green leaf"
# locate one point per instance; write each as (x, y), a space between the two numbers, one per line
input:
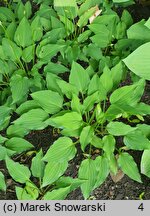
(76, 105)
(2, 139)
(136, 140)
(18, 144)
(51, 81)
(50, 50)
(138, 61)
(23, 35)
(37, 30)
(28, 53)
(129, 167)
(67, 88)
(145, 129)
(70, 120)
(86, 136)
(17, 131)
(97, 142)
(58, 194)
(11, 50)
(55, 68)
(37, 165)
(22, 194)
(88, 171)
(102, 166)
(68, 181)
(18, 172)
(79, 77)
(6, 14)
(4, 116)
(128, 94)
(106, 80)
(2, 182)
(109, 145)
(19, 87)
(33, 120)
(66, 8)
(53, 171)
(5, 152)
(62, 150)
(145, 163)
(27, 106)
(50, 101)
(119, 128)
(83, 19)
(89, 102)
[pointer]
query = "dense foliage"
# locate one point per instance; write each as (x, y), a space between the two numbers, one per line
(64, 64)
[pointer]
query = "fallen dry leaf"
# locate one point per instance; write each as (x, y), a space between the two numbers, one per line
(118, 176)
(98, 12)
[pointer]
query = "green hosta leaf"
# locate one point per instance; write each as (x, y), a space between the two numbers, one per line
(117, 73)
(33, 120)
(28, 53)
(50, 50)
(58, 194)
(106, 80)
(138, 61)
(10, 31)
(19, 87)
(102, 166)
(37, 30)
(94, 84)
(139, 31)
(145, 129)
(83, 20)
(17, 131)
(51, 81)
(145, 163)
(11, 50)
(67, 88)
(53, 171)
(62, 150)
(27, 106)
(109, 145)
(97, 142)
(23, 35)
(69, 26)
(55, 68)
(128, 94)
(18, 144)
(89, 102)
(71, 120)
(129, 167)
(136, 140)
(88, 171)
(29, 192)
(119, 128)
(18, 172)
(68, 181)
(79, 77)
(5, 152)
(2, 139)
(76, 105)
(66, 8)
(2, 182)
(86, 136)
(50, 101)
(37, 165)
(6, 14)
(4, 116)
(84, 36)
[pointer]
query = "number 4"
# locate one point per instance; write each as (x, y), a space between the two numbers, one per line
(141, 207)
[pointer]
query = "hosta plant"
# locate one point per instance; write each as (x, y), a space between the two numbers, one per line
(93, 111)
